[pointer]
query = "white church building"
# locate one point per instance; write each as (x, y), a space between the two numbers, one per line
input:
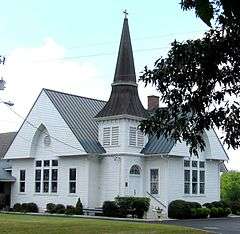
(71, 146)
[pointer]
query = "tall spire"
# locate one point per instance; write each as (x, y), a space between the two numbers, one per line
(124, 99)
(125, 70)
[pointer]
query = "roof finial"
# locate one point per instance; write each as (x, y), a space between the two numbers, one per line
(125, 13)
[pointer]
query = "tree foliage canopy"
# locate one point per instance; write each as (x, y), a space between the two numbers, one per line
(230, 186)
(199, 80)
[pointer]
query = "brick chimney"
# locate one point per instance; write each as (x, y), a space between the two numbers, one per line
(153, 102)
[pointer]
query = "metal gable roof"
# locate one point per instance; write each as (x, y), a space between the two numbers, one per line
(5, 141)
(79, 112)
(161, 145)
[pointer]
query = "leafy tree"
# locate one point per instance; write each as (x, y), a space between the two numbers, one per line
(199, 80)
(230, 186)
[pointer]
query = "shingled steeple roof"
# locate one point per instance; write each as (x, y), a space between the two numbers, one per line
(124, 97)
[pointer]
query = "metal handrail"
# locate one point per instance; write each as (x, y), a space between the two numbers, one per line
(156, 199)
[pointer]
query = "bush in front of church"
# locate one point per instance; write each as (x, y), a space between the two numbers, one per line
(179, 209)
(110, 209)
(70, 210)
(140, 205)
(26, 207)
(79, 207)
(51, 208)
(200, 213)
(17, 207)
(60, 209)
(124, 206)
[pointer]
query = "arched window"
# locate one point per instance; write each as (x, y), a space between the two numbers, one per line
(135, 170)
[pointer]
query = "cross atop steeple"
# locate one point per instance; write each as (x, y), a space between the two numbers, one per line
(125, 13)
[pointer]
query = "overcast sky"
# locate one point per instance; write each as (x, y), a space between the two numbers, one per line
(72, 46)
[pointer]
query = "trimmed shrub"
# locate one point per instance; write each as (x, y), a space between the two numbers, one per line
(24, 207)
(221, 212)
(51, 208)
(179, 209)
(194, 205)
(70, 210)
(125, 206)
(208, 205)
(235, 207)
(110, 209)
(220, 204)
(140, 205)
(214, 212)
(17, 207)
(32, 207)
(199, 213)
(202, 213)
(60, 209)
(79, 207)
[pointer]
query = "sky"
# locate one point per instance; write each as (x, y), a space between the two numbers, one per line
(72, 46)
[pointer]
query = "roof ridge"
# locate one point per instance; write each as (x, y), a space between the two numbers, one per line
(75, 95)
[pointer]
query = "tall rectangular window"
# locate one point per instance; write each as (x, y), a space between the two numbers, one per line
(72, 180)
(22, 181)
(202, 181)
(154, 181)
(194, 181)
(54, 180)
(46, 180)
(186, 181)
(194, 177)
(38, 174)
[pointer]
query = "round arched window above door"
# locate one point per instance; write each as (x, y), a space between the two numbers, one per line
(135, 170)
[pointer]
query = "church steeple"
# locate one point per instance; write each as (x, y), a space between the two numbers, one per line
(125, 70)
(124, 99)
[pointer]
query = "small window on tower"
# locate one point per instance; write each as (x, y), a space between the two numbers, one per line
(106, 136)
(115, 136)
(132, 136)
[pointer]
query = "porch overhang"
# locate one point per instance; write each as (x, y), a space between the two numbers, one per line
(5, 176)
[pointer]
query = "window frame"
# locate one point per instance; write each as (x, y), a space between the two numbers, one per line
(72, 181)
(135, 137)
(196, 167)
(110, 136)
(22, 181)
(154, 182)
(46, 182)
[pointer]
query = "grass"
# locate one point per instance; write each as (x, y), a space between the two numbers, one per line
(25, 224)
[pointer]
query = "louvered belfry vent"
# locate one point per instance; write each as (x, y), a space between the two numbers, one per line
(124, 99)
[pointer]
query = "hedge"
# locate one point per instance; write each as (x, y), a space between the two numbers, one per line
(110, 209)
(69, 209)
(180, 209)
(200, 213)
(26, 207)
(124, 206)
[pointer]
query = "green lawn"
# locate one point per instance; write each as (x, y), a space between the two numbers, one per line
(24, 224)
